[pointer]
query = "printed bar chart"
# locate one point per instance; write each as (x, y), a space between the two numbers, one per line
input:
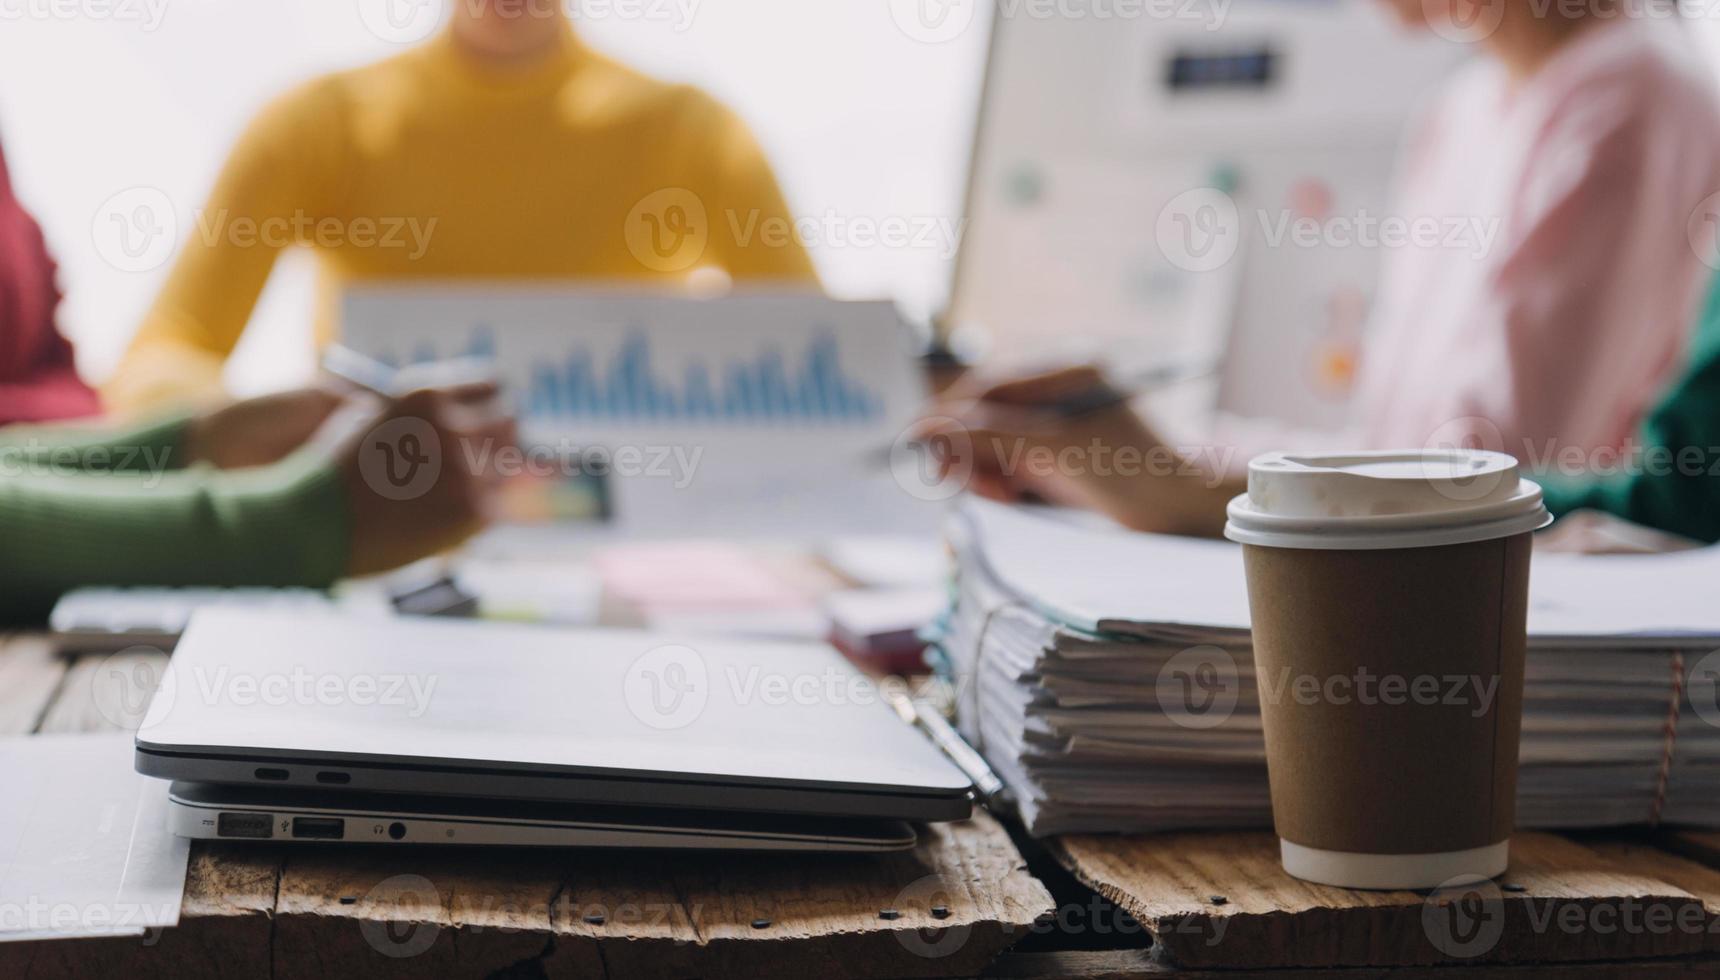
(628, 386)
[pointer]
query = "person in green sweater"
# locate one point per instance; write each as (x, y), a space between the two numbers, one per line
(1670, 478)
(297, 489)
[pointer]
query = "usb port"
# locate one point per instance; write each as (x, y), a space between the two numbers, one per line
(257, 826)
(319, 828)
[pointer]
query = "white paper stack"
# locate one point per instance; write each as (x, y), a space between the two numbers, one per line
(1107, 677)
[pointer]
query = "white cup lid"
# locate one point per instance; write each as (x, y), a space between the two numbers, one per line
(1390, 499)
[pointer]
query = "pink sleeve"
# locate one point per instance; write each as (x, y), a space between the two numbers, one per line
(1594, 293)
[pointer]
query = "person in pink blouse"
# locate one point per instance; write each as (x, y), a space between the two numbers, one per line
(1588, 141)
(38, 379)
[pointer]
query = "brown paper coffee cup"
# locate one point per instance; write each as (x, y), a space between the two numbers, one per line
(1389, 622)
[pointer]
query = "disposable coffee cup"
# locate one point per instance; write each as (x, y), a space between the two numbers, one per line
(1389, 598)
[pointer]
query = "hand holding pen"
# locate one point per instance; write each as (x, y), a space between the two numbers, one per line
(1070, 437)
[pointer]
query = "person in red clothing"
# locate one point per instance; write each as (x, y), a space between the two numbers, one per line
(38, 378)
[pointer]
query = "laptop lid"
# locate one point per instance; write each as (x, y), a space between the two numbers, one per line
(619, 707)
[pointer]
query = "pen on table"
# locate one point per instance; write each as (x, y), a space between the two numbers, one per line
(1090, 401)
(1108, 394)
(987, 786)
(365, 373)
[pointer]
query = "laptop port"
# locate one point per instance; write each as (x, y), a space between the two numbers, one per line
(397, 830)
(334, 778)
(319, 828)
(275, 775)
(255, 826)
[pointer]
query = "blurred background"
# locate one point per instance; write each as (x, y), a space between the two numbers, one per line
(858, 117)
(1053, 146)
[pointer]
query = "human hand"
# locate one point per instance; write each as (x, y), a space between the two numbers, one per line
(420, 472)
(1009, 441)
(258, 431)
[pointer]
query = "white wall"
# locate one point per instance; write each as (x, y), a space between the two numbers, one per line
(865, 115)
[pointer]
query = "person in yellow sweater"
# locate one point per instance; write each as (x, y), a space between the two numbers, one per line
(502, 148)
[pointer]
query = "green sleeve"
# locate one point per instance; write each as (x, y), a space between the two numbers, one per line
(42, 450)
(1672, 480)
(285, 525)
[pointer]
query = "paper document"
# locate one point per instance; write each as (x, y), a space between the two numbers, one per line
(1097, 578)
(84, 845)
(756, 413)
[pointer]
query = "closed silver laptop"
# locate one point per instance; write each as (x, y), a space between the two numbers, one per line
(481, 710)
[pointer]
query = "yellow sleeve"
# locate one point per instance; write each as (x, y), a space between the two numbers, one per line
(274, 182)
(742, 199)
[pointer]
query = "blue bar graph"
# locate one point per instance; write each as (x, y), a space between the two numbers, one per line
(629, 386)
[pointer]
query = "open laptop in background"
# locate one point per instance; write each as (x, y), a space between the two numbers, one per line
(494, 712)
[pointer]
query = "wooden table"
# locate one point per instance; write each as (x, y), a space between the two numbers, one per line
(1170, 907)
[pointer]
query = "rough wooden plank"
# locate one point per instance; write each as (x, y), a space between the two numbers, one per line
(30, 672)
(1138, 965)
(1575, 903)
(960, 898)
(106, 692)
(403, 912)
(963, 896)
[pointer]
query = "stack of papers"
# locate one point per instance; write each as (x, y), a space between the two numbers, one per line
(1108, 678)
